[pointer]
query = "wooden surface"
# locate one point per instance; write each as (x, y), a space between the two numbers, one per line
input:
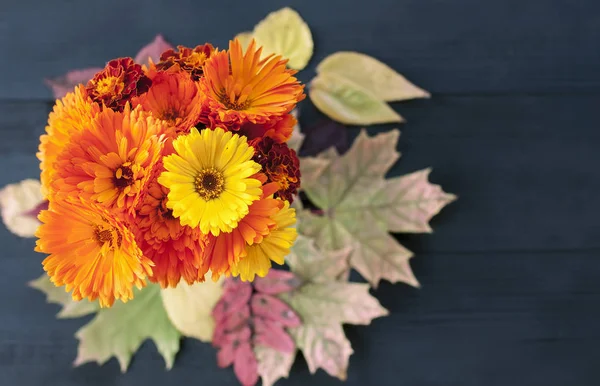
(511, 277)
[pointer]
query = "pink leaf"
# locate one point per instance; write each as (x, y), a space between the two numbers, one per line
(245, 365)
(226, 355)
(236, 294)
(271, 334)
(152, 50)
(224, 338)
(236, 319)
(276, 282)
(64, 84)
(268, 307)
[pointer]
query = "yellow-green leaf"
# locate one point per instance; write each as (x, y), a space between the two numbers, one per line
(120, 330)
(284, 33)
(347, 102)
(58, 295)
(190, 306)
(16, 201)
(372, 75)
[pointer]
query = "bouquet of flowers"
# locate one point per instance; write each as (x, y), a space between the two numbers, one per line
(170, 183)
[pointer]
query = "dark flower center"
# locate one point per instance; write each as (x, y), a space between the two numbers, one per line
(210, 183)
(123, 177)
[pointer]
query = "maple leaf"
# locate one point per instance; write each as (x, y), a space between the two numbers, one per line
(64, 84)
(360, 207)
(70, 308)
(120, 330)
(251, 324)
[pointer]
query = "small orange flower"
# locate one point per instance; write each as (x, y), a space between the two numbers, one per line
(71, 114)
(280, 129)
(91, 251)
(241, 87)
(117, 83)
(226, 249)
(190, 60)
(175, 249)
(112, 161)
(175, 98)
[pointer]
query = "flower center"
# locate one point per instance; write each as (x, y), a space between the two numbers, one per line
(195, 59)
(110, 85)
(170, 115)
(123, 176)
(236, 104)
(210, 183)
(108, 235)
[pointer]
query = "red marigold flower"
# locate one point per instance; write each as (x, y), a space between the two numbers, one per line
(280, 129)
(280, 164)
(189, 59)
(117, 83)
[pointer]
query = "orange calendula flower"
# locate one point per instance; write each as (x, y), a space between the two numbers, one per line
(241, 87)
(190, 60)
(280, 129)
(175, 98)
(91, 252)
(71, 114)
(121, 80)
(112, 161)
(175, 249)
(273, 247)
(226, 249)
(280, 164)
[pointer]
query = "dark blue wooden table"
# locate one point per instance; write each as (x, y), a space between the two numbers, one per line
(511, 277)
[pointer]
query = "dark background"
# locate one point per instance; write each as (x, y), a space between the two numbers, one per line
(511, 277)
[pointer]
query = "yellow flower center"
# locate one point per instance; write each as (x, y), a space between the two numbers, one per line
(235, 103)
(210, 183)
(123, 176)
(196, 59)
(108, 235)
(110, 85)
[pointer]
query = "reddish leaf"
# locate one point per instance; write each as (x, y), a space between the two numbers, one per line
(152, 50)
(236, 319)
(271, 334)
(226, 355)
(223, 338)
(235, 296)
(245, 365)
(64, 84)
(276, 282)
(271, 308)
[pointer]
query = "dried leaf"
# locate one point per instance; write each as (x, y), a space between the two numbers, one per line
(273, 364)
(17, 201)
(236, 295)
(311, 168)
(349, 103)
(70, 308)
(190, 307)
(276, 282)
(152, 50)
(245, 365)
(372, 75)
(271, 308)
(325, 347)
(352, 192)
(284, 33)
(120, 330)
(271, 334)
(316, 265)
(62, 85)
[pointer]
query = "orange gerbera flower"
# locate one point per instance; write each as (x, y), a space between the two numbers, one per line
(175, 98)
(241, 87)
(175, 249)
(91, 251)
(112, 161)
(226, 249)
(71, 114)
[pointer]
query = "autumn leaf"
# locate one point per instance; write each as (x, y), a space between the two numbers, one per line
(272, 364)
(359, 207)
(296, 140)
(190, 307)
(70, 308)
(313, 264)
(120, 330)
(284, 33)
(19, 205)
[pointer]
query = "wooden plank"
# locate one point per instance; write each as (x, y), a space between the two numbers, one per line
(445, 46)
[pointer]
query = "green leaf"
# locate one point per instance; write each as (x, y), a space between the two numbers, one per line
(372, 75)
(324, 347)
(58, 295)
(284, 33)
(190, 307)
(316, 265)
(360, 207)
(16, 201)
(349, 103)
(272, 364)
(120, 330)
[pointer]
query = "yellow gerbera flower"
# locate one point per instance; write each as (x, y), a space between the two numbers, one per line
(276, 246)
(209, 180)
